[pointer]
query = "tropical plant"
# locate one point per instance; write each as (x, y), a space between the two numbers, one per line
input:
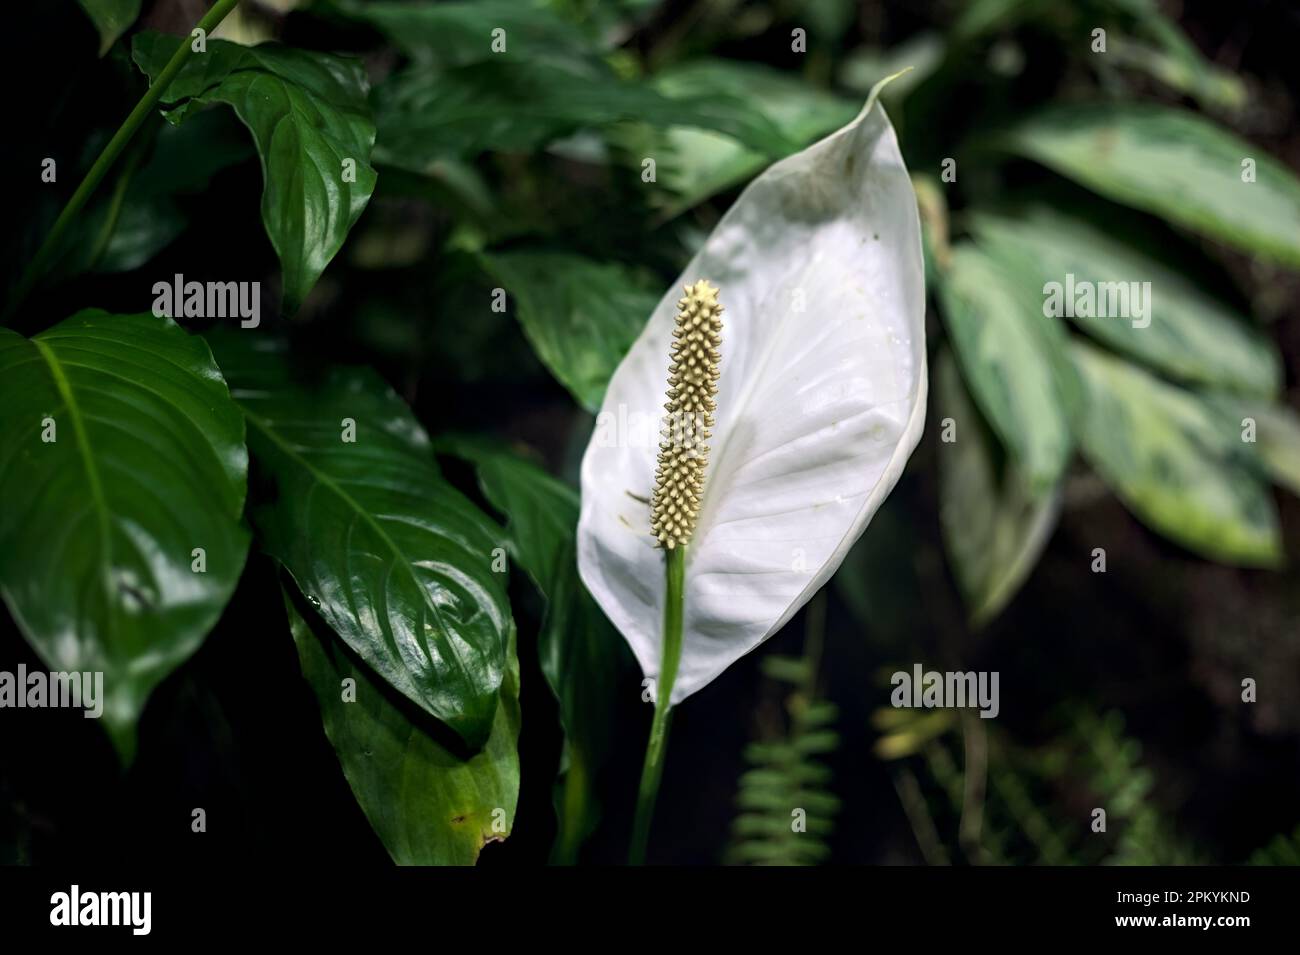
(467, 211)
(1173, 402)
(786, 809)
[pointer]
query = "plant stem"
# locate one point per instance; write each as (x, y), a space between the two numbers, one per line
(652, 771)
(106, 158)
(117, 198)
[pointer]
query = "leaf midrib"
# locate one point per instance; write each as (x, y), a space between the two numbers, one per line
(98, 499)
(325, 480)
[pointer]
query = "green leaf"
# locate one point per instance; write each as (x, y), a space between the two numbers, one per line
(1140, 36)
(309, 117)
(520, 105)
(1186, 332)
(112, 18)
(1014, 360)
(1174, 60)
(994, 526)
(429, 802)
(1279, 443)
(580, 316)
(1276, 433)
(123, 453)
(396, 560)
(693, 164)
(1183, 70)
(1177, 462)
(453, 34)
(1174, 164)
(582, 655)
(466, 94)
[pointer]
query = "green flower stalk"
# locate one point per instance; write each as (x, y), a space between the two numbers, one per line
(675, 507)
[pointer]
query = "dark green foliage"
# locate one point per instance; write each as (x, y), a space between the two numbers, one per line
(786, 807)
(123, 483)
(308, 115)
(467, 239)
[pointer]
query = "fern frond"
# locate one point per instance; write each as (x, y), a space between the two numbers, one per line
(786, 811)
(1122, 786)
(1022, 822)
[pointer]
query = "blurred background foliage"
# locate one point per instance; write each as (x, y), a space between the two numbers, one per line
(1109, 530)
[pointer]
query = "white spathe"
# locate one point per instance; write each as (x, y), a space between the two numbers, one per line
(820, 403)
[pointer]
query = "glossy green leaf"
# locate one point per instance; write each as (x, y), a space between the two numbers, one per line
(1178, 462)
(580, 316)
(994, 526)
(123, 476)
(1013, 359)
(112, 18)
(693, 164)
(311, 122)
(396, 560)
(1185, 332)
(429, 801)
(1175, 164)
(582, 656)
(522, 104)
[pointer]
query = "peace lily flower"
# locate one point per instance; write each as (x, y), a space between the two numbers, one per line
(785, 431)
